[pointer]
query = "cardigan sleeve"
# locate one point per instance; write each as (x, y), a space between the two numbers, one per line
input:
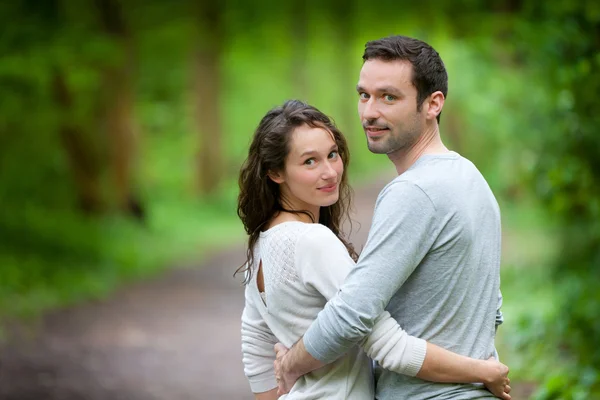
(393, 348)
(258, 353)
(324, 264)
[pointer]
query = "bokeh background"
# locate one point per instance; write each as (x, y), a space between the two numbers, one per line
(123, 125)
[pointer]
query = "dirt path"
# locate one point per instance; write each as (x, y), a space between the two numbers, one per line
(174, 338)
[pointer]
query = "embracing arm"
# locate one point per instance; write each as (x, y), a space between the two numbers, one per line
(258, 354)
(324, 266)
(403, 215)
(403, 230)
(397, 351)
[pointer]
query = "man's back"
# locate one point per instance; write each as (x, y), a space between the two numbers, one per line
(451, 298)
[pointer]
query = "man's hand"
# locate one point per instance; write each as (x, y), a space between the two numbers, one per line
(285, 379)
(497, 381)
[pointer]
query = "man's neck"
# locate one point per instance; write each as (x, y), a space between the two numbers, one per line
(428, 143)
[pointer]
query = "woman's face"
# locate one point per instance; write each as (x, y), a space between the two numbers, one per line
(313, 170)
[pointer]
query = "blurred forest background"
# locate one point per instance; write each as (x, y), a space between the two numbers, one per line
(123, 125)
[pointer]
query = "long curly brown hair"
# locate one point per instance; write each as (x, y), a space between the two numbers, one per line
(259, 199)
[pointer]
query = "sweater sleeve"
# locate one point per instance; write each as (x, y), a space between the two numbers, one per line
(324, 264)
(393, 348)
(258, 353)
(402, 232)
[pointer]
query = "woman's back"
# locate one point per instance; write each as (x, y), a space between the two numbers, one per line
(296, 287)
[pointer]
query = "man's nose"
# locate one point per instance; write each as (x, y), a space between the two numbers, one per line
(370, 110)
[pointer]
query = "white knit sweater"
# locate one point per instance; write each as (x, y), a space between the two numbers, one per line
(303, 266)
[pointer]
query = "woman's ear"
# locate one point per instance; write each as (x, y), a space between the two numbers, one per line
(276, 177)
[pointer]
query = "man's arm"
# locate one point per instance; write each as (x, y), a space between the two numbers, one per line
(322, 264)
(402, 232)
(394, 349)
(291, 364)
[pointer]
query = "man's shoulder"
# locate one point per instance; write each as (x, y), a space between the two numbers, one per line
(403, 185)
(402, 196)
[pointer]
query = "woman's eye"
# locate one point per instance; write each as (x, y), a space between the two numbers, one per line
(310, 161)
(333, 154)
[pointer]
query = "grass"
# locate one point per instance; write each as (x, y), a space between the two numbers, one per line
(60, 259)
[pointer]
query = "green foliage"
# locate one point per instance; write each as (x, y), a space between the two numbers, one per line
(522, 105)
(52, 255)
(563, 49)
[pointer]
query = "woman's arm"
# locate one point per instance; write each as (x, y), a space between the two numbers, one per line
(270, 395)
(258, 352)
(441, 365)
(395, 350)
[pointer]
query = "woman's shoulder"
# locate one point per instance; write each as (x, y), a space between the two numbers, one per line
(300, 234)
(318, 235)
(286, 228)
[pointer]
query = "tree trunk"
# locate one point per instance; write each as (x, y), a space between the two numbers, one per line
(343, 12)
(83, 161)
(207, 96)
(118, 81)
(299, 67)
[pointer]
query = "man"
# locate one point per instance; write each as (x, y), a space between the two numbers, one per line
(432, 258)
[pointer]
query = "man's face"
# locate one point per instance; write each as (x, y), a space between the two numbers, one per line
(387, 106)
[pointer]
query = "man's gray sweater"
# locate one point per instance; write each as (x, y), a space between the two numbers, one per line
(432, 260)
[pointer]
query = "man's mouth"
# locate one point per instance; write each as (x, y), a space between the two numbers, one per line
(373, 131)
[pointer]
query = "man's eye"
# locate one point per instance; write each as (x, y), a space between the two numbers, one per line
(363, 96)
(389, 97)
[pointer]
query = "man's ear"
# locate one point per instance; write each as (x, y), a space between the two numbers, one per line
(435, 103)
(276, 177)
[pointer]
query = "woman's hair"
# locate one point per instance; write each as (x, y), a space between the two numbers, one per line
(259, 199)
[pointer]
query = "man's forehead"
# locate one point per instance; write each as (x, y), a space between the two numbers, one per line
(397, 72)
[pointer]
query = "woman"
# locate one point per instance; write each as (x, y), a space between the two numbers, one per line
(293, 197)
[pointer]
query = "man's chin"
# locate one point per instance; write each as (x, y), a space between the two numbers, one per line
(376, 148)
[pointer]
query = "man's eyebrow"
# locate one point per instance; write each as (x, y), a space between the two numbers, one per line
(389, 89)
(383, 89)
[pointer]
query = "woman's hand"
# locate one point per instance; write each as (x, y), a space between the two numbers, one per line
(496, 378)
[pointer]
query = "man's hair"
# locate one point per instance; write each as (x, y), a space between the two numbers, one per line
(429, 73)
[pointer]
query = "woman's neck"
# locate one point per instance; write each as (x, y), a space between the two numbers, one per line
(285, 216)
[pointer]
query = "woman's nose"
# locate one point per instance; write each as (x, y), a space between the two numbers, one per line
(329, 171)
